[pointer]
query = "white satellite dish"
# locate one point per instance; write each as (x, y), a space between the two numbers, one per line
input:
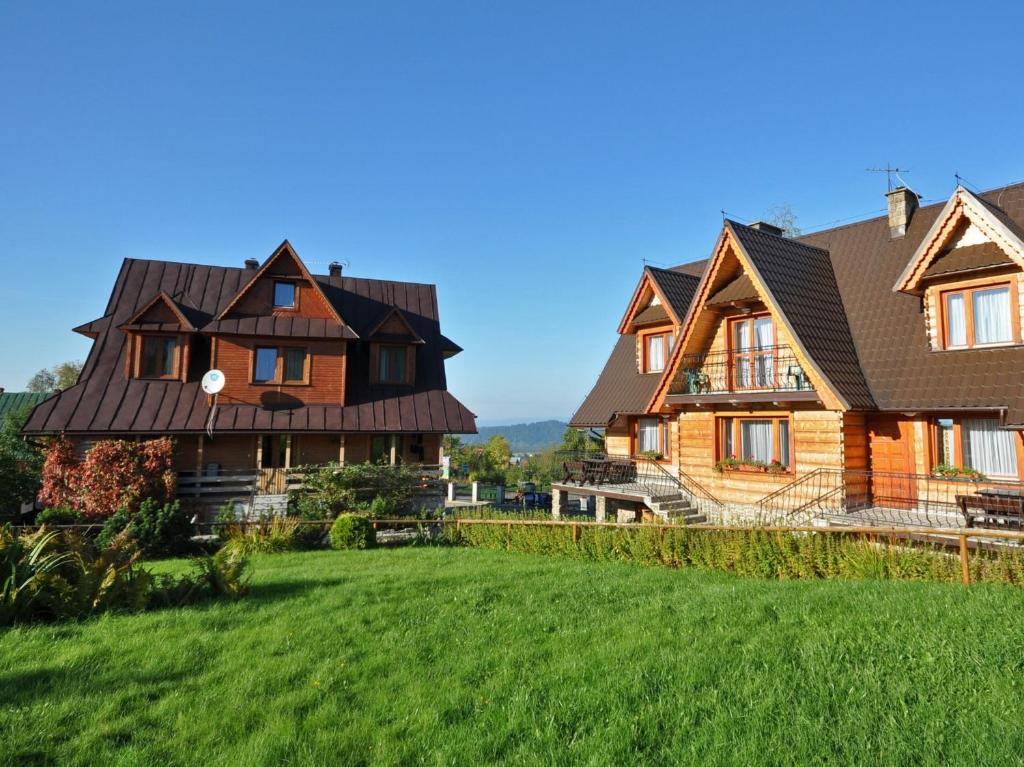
(213, 381)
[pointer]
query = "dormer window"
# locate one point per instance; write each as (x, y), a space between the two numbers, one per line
(284, 294)
(656, 348)
(158, 357)
(979, 315)
(392, 365)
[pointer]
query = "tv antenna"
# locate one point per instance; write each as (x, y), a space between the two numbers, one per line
(891, 172)
(212, 383)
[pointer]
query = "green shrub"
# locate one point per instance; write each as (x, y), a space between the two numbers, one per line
(59, 515)
(751, 551)
(50, 575)
(353, 531)
(274, 535)
(332, 489)
(159, 529)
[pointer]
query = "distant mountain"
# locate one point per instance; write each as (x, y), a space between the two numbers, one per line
(523, 437)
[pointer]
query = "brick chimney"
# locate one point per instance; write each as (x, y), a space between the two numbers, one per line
(334, 269)
(902, 204)
(252, 263)
(764, 226)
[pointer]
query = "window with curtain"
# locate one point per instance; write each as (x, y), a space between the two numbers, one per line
(647, 436)
(753, 352)
(392, 364)
(756, 439)
(265, 364)
(157, 359)
(987, 448)
(979, 316)
(655, 353)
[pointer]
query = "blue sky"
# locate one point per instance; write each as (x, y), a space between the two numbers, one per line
(524, 156)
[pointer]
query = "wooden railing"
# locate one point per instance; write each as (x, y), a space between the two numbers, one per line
(766, 368)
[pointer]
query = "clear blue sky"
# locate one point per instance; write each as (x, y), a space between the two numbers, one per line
(523, 156)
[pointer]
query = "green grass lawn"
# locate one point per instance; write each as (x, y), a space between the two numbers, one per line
(462, 656)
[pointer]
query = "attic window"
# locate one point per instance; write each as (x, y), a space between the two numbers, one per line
(158, 358)
(284, 295)
(392, 364)
(979, 315)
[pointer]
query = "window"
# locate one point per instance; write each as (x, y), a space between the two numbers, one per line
(284, 295)
(976, 443)
(392, 364)
(657, 347)
(284, 365)
(294, 365)
(756, 440)
(653, 436)
(753, 352)
(979, 316)
(158, 357)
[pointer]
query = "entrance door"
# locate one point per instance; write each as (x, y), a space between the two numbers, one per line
(272, 475)
(891, 450)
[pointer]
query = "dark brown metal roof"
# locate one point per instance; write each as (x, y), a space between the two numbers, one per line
(105, 402)
(889, 330)
(280, 327)
(740, 289)
(620, 389)
(651, 314)
(967, 259)
(800, 279)
(678, 287)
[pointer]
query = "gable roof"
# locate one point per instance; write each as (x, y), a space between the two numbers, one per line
(962, 206)
(676, 287)
(400, 315)
(889, 329)
(284, 250)
(802, 285)
(105, 402)
(967, 259)
(137, 321)
(16, 401)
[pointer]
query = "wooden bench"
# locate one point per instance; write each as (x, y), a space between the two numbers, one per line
(574, 471)
(1008, 510)
(621, 472)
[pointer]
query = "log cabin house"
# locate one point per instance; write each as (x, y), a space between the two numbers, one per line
(872, 369)
(317, 368)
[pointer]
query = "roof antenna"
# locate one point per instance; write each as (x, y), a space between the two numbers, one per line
(890, 172)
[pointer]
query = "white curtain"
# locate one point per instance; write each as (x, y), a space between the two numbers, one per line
(764, 332)
(648, 435)
(655, 353)
(987, 448)
(756, 437)
(992, 316)
(956, 319)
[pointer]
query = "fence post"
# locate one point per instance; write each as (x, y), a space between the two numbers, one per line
(475, 492)
(575, 532)
(499, 495)
(965, 563)
(451, 491)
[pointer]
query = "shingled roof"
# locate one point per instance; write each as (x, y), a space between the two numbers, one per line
(803, 286)
(888, 328)
(105, 401)
(621, 389)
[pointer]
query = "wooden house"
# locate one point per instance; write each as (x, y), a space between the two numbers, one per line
(883, 357)
(318, 368)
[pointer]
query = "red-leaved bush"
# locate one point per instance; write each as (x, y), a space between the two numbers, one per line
(115, 474)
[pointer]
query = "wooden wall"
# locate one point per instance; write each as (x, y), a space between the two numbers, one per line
(818, 441)
(327, 361)
(617, 439)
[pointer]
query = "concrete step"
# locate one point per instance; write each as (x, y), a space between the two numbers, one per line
(263, 505)
(676, 505)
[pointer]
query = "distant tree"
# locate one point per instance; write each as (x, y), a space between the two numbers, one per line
(498, 451)
(579, 441)
(58, 378)
(783, 217)
(43, 381)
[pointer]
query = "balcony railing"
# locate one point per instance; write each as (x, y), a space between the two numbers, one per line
(762, 369)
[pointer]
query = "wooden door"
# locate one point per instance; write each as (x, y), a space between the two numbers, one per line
(891, 451)
(272, 475)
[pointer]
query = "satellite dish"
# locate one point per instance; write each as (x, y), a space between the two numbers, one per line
(213, 381)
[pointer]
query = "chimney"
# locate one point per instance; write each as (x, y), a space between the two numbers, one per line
(902, 204)
(334, 269)
(252, 263)
(764, 226)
